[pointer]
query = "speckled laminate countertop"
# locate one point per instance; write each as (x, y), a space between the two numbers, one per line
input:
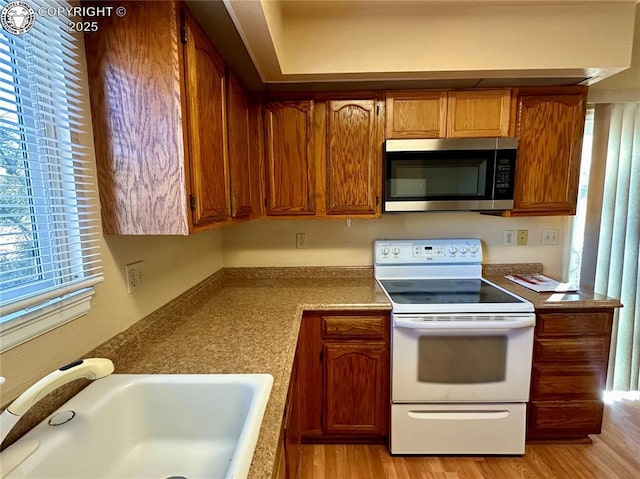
(247, 326)
(578, 300)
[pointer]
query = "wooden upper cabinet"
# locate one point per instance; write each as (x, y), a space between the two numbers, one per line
(205, 94)
(159, 122)
(290, 164)
(416, 114)
(478, 113)
(353, 157)
(550, 127)
(136, 108)
(239, 144)
(452, 114)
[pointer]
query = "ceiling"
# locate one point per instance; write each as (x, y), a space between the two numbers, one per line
(321, 44)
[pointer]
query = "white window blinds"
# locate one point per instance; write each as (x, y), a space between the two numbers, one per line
(49, 230)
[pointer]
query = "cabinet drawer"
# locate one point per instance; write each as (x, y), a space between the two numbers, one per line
(574, 323)
(578, 382)
(365, 327)
(566, 419)
(586, 350)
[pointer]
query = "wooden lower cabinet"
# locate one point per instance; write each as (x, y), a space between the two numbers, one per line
(570, 356)
(353, 374)
(287, 460)
(343, 371)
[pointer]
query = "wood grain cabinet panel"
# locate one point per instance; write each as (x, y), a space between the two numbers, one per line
(416, 114)
(564, 419)
(554, 382)
(549, 131)
(206, 102)
(353, 375)
(478, 113)
(136, 108)
(290, 161)
(344, 376)
(239, 126)
(159, 122)
(585, 350)
(448, 114)
(311, 376)
(574, 323)
(353, 157)
(570, 357)
(355, 327)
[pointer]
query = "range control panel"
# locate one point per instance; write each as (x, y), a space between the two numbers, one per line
(427, 251)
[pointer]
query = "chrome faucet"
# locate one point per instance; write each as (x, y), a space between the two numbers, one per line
(93, 368)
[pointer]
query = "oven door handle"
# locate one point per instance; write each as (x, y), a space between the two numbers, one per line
(469, 325)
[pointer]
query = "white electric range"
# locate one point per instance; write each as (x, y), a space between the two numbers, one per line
(461, 350)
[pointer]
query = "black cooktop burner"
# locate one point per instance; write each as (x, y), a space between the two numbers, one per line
(445, 291)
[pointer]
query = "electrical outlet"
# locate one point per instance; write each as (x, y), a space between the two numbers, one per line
(134, 274)
(522, 237)
(509, 237)
(549, 237)
(301, 240)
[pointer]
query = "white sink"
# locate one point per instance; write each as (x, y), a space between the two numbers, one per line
(150, 426)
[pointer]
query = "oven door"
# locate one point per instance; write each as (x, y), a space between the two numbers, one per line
(461, 358)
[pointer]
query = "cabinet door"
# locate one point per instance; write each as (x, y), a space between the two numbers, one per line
(353, 157)
(310, 375)
(356, 388)
(290, 161)
(478, 113)
(416, 114)
(239, 141)
(550, 140)
(292, 421)
(207, 131)
(135, 87)
(564, 419)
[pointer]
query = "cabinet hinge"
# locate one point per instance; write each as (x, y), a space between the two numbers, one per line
(322, 419)
(377, 200)
(377, 110)
(322, 355)
(266, 202)
(192, 201)
(183, 34)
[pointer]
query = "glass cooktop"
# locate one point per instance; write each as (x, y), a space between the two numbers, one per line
(445, 291)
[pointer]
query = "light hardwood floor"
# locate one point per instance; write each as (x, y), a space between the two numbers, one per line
(614, 454)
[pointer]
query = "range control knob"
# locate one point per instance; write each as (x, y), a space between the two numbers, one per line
(453, 250)
(396, 251)
(463, 250)
(473, 250)
(385, 251)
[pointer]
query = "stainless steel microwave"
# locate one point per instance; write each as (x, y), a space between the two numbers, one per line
(470, 174)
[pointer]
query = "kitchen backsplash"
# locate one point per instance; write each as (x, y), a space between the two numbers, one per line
(338, 243)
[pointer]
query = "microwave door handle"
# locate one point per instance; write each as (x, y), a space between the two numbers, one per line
(468, 325)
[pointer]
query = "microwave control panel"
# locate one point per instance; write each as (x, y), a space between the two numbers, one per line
(504, 178)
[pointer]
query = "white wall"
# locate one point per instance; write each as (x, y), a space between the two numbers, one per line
(624, 86)
(172, 265)
(334, 243)
(316, 40)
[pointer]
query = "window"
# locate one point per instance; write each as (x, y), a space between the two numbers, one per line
(577, 237)
(49, 236)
